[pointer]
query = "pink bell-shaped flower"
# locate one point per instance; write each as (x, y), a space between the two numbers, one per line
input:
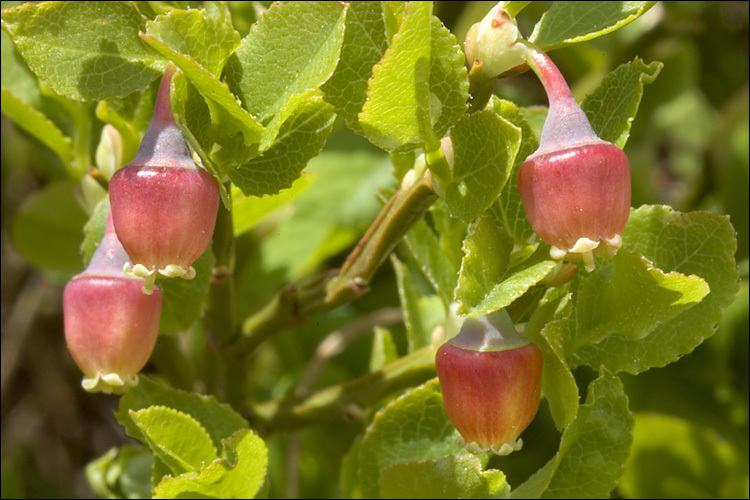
(490, 377)
(110, 325)
(575, 188)
(163, 206)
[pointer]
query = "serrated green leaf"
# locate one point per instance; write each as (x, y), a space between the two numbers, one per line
(484, 151)
(247, 211)
(627, 296)
(16, 77)
(676, 458)
(175, 437)
(178, 30)
(123, 472)
(572, 22)
(226, 112)
(451, 232)
(439, 270)
(449, 87)
(396, 113)
(84, 50)
(182, 300)
(300, 138)
(411, 428)
(592, 451)
(614, 104)
(47, 228)
(279, 59)
(240, 475)
(219, 420)
(695, 243)
(487, 281)
(364, 45)
(558, 383)
(454, 476)
(508, 206)
(421, 313)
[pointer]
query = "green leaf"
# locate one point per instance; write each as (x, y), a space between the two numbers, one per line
(94, 230)
(629, 297)
(484, 150)
(695, 243)
(383, 349)
(572, 22)
(487, 281)
(449, 87)
(592, 451)
(300, 138)
(397, 109)
(508, 207)
(675, 458)
(614, 104)
(22, 102)
(364, 45)
(84, 50)
(123, 472)
(239, 474)
(421, 313)
(219, 420)
(411, 428)
(47, 228)
(247, 211)
(279, 59)
(226, 112)
(436, 266)
(175, 437)
(179, 29)
(182, 300)
(558, 383)
(454, 476)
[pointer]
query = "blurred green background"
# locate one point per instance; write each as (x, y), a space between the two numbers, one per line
(688, 149)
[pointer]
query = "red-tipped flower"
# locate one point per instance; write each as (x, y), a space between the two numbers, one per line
(164, 207)
(576, 187)
(110, 325)
(490, 377)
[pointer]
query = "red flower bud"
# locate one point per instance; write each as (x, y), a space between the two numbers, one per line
(576, 187)
(164, 208)
(110, 325)
(490, 377)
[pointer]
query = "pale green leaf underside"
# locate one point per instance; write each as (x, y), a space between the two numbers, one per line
(219, 420)
(411, 428)
(300, 138)
(239, 473)
(694, 243)
(629, 297)
(175, 437)
(592, 451)
(484, 149)
(454, 476)
(301, 55)
(84, 50)
(614, 104)
(572, 22)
